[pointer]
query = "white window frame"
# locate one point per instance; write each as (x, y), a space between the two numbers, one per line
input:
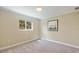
(26, 28)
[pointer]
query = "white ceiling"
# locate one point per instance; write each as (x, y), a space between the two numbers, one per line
(48, 11)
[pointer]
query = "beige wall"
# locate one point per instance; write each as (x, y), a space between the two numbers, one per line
(9, 30)
(68, 30)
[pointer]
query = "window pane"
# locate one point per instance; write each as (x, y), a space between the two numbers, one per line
(21, 24)
(28, 25)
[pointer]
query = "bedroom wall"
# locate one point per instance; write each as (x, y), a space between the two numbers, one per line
(9, 29)
(68, 29)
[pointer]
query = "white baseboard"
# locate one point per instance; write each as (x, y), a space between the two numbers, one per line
(66, 44)
(59, 42)
(19, 43)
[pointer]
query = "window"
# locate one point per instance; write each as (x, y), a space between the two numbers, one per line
(25, 25)
(53, 25)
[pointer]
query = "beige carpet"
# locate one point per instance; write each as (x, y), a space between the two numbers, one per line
(41, 46)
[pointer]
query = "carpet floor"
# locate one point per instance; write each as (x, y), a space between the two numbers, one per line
(41, 46)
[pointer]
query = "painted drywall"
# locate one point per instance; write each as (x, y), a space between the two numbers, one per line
(9, 28)
(68, 29)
